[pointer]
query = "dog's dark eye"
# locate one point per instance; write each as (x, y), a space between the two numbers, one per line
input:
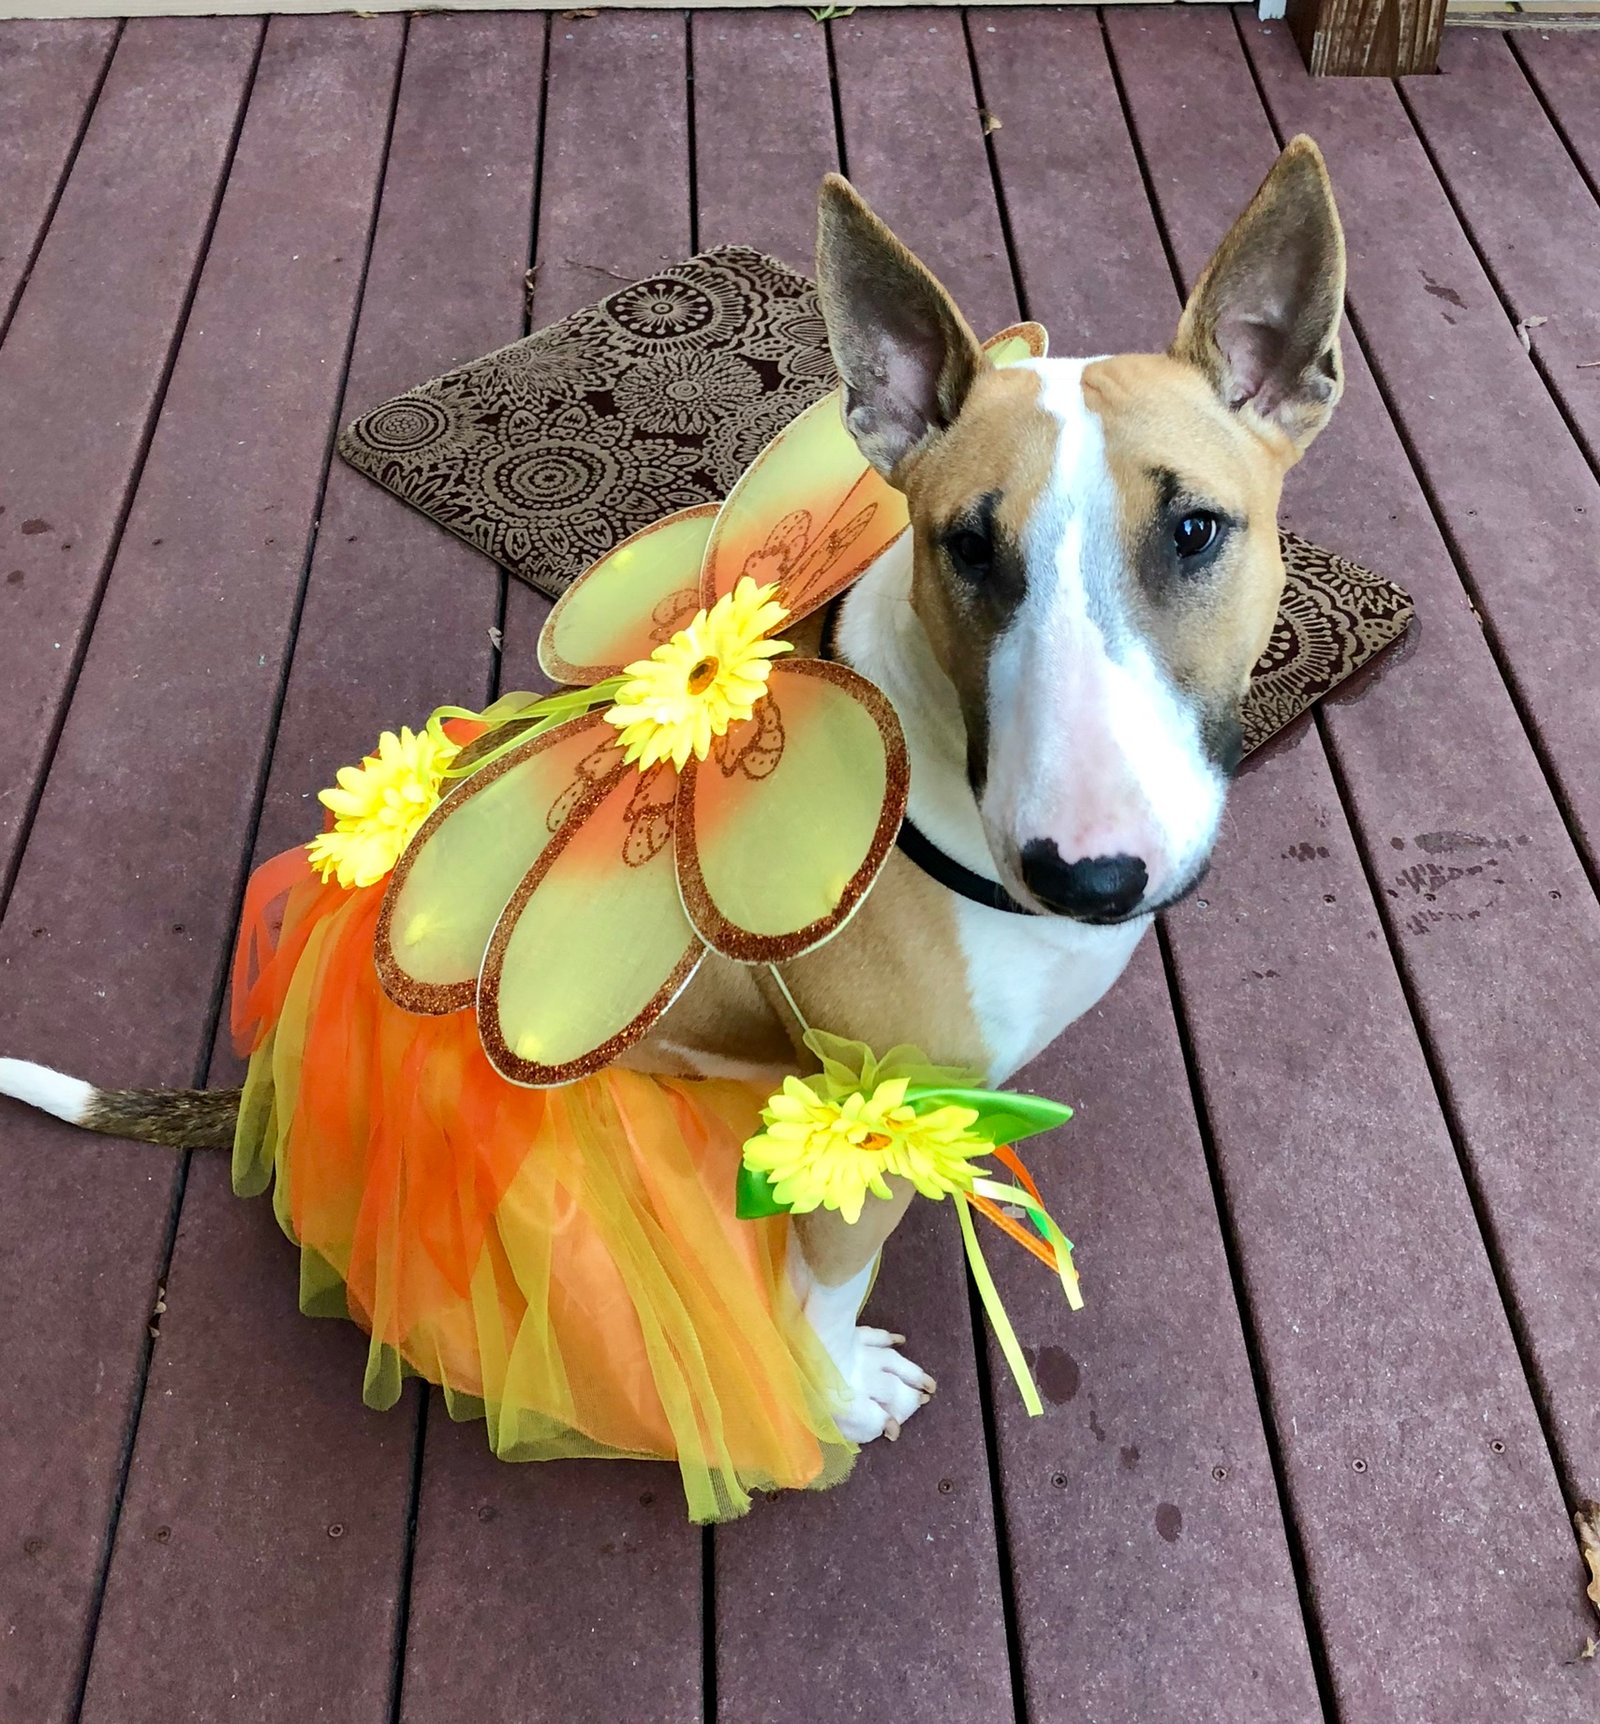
(1195, 534)
(971, 550)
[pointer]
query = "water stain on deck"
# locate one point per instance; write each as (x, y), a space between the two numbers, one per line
(1058, 1375)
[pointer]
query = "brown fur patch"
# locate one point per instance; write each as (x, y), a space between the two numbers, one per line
(1002, 447)
(177, 1118)
(1162, 418)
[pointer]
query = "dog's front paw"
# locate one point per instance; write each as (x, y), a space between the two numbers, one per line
(882, 1388)
(885, 1387)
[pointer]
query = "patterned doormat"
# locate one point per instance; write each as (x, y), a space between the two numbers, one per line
(547, 453)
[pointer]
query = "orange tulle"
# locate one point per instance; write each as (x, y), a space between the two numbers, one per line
(564, 1263)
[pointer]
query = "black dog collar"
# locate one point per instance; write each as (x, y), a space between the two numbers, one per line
(961, 880)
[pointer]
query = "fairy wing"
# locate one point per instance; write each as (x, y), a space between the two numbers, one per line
(594, 944)
(809, 512)
(783, 827)
(1018, 342)
(447, 891)
(624, 606)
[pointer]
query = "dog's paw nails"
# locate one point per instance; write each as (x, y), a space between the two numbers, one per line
(885, 1388)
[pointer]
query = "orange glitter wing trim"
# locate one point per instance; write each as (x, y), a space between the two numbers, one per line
(784, 826)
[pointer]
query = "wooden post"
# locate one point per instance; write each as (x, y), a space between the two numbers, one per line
(1368, 38)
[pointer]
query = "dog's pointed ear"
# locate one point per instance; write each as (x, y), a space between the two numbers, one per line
(1263, 321)
(904, 352)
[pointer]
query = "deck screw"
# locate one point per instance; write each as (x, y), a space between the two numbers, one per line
(32, 1546)
(946, 1486)
(1498, 1446)
(336, 1530)
(1219, 1474)
(1358, 1465)
(646, 1498)
(487, 1513)
(1059, 1480)
(163, 1533)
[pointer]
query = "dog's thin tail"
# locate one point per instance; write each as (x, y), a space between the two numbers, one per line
(179, 1118)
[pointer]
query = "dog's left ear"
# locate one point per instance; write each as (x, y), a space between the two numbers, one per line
(905, 353)
(1263, 321)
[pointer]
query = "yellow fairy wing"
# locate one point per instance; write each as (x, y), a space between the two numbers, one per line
(624, 606)
(457, 874)
(1021, 341)
(594, 945)
(783, 827)
(809, 513)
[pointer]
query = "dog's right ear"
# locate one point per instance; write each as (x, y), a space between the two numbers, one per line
(904, 352)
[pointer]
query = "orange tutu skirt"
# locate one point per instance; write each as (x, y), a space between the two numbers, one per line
(565, 1264)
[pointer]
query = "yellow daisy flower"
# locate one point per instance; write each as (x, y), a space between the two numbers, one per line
(709, 676)
(379, 805)
(821, 1153)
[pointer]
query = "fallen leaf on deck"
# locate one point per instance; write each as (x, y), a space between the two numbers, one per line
(496, 639)
(991, 122)
(826, 14)
(1522, 331)
(1587, 1521)
(1590, 1647)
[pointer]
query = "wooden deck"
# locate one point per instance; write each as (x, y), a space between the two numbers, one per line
(1313, 1447)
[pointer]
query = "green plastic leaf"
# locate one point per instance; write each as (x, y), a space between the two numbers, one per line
(753, 1199)
(1004, 1116)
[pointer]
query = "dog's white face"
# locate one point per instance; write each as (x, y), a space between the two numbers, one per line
(1096, 550)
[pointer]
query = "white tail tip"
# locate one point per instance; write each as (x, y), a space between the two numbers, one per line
(68, 1098)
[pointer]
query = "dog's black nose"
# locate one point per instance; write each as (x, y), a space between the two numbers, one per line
(1095, 889)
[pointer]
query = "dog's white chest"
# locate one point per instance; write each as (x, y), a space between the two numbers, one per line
(1028, 977)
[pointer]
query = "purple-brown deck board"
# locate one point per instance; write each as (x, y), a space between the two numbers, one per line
(49, 73)
(130, 869)
(84, 359)
(1379, 1348)
(563, 1593)
(1524, 202)
(763, 130)
(329, 1497)
(261, 1557)
(1518, 498)
(1151, 1566)
(1565, 70)
(1486, 896)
